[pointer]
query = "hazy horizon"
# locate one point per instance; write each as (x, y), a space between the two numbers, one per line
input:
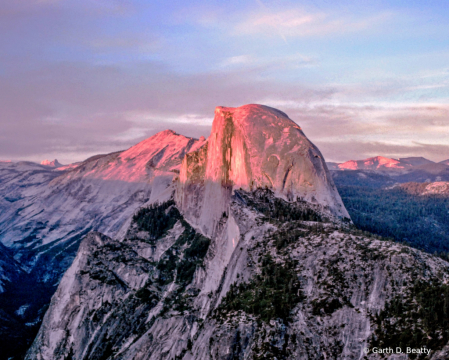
(39, 160)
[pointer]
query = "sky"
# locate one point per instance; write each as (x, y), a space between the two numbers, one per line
(362, 78)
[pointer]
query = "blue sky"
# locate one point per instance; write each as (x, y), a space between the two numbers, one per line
(362, 78)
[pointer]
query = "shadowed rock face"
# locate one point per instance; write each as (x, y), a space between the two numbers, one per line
(249, 147)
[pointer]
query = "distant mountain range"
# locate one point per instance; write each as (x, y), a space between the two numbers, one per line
(381, 163)
(403, 199)
(417, 166)
(417, 169)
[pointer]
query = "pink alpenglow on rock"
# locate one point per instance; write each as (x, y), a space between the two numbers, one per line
(249, 147)
(373, 163)
(55, 163)
(159, 155)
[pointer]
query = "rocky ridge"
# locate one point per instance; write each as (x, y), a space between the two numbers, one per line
(252, 258)
(131, 299)
(45, 212)
(423, 189)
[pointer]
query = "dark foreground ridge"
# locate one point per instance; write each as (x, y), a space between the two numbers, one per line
(294, 288)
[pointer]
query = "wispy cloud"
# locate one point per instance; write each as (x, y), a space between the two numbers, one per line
(350, 130)
(84, 109)
(293, 61)
(298, 23)
(238, 61)
(286, 21)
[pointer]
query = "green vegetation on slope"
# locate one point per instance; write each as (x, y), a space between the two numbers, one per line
(194, 246)
(420, 221)
(157, 219)
(269, 295)
(180, 261)
(419, 319)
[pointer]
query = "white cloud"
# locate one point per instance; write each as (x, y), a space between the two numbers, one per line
(351, 130)
(237, 60)
(293, 61)
(286, 22)
(293, 23)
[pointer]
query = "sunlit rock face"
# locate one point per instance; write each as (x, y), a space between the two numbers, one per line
(42, 208)
(249, 147)
(384, 164)
(55, 163)
(375, 163)
(158, 155)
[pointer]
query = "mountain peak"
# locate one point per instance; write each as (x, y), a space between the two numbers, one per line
(158, 155)
(251, 109)
(55, 163)
(416, 160)
(373, 163)
(383, 161)
(250, 147)
(167, 132)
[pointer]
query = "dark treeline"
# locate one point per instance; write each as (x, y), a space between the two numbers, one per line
(269, 295)
(421, 221)
(426, 305)
(157, 218)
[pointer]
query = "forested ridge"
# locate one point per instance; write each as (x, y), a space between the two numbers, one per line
(400, 213)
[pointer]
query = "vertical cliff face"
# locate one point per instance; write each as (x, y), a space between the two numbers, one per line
(253, 146)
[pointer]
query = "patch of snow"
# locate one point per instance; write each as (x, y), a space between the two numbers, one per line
(33, 323)
(21, 311)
